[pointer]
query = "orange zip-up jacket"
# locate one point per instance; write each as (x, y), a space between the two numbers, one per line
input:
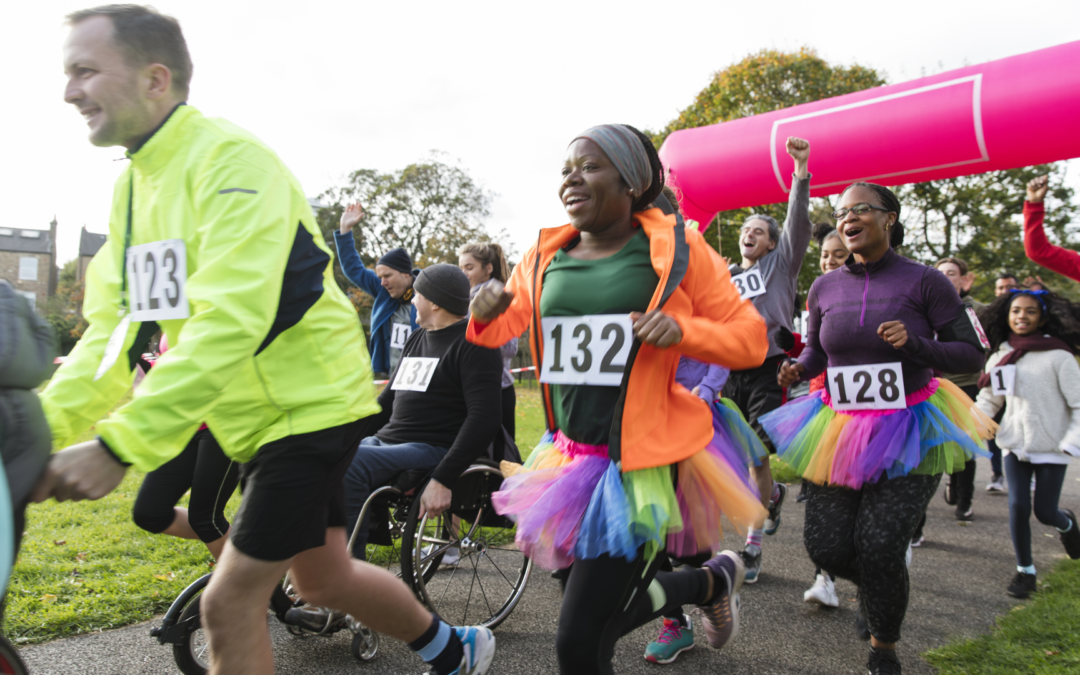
(661, 421)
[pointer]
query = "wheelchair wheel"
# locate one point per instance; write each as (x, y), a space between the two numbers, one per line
(10, 663)
(386, 510)
(490, 574)
(191, 652)
(365, 642)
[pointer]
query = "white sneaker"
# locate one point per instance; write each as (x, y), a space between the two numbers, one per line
(823, 592)
(997, 484)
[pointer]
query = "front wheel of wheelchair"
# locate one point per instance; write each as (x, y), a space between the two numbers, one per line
(365, 642)
(490, 574)
(191, 651)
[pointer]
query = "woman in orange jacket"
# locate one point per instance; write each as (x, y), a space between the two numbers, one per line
(631, 464)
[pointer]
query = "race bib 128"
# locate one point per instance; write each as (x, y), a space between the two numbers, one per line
(414, 373)
(586, 349)
(749, 284)
(399, 333)
(876, 387)
(1003, 380)
(157, 277)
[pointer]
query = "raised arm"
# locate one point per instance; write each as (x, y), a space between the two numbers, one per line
(798, 229)
(351, 264)
(1036, 245)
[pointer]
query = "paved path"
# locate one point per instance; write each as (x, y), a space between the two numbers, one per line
(958, 581)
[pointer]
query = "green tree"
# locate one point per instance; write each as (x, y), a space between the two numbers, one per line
(763, 82)
(429, 208)
(979, 219)
(64, 310)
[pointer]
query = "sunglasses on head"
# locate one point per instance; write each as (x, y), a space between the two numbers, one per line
(858, 209)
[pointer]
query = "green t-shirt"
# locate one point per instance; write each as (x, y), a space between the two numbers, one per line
(621, 283)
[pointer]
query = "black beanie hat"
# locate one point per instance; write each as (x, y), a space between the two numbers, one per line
(397, 259)
(446, 286)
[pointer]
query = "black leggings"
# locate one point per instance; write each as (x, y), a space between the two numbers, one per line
(509, 404)
(1048, 481)
(202, 468)
(606, 598)
(863, 536)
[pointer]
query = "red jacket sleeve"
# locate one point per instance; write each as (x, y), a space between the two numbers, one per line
(1040, 250)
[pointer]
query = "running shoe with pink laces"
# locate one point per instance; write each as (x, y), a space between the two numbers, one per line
(722, 614)
(675, 638)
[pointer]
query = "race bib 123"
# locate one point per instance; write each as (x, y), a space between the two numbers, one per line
(157, 277)
(876, 387)
(586, 349)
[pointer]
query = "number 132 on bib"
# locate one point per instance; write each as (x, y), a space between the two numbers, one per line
(586, 349)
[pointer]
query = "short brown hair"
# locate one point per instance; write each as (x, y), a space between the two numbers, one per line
(955, 261)
(146, 36)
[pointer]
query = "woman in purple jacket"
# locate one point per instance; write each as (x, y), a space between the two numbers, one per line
(874, 443)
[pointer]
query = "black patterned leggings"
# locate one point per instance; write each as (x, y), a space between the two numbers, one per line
(863, 535)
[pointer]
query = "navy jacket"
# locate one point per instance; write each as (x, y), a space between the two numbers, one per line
(384, 307)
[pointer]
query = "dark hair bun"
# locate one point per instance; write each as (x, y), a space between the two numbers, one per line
(896, 235)
(822, 230)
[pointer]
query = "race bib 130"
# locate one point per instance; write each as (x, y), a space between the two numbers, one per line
(157, 277)
(586, 349)
(749, 284)
(876, 387)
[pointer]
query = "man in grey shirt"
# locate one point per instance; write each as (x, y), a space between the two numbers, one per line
(768, 274)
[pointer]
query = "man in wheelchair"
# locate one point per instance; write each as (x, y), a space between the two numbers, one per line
(441, 408)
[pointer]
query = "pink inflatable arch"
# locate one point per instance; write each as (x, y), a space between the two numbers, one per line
(1015, 112)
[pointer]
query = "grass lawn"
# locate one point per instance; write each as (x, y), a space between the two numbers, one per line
(1040, 636)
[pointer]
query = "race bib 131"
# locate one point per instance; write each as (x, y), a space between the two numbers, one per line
(414, 373)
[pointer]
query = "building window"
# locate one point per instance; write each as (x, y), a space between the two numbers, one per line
(28, 269)
(30, 297)
(7, 232)
(30, 234)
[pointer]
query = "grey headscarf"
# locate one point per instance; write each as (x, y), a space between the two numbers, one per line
(624, 149)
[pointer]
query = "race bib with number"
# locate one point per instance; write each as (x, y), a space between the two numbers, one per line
(414, 373)
(399, 333)
(157, 276)
(1003, 380)
(876, 387)
(586, 349)
(749, 284)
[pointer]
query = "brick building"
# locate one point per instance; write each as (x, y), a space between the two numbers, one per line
(89, 244)
(28, 261)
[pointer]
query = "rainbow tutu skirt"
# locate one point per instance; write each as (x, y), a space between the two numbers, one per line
(938, 432)
(570, 500)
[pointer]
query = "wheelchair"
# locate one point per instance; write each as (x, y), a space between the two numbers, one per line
(481, 588)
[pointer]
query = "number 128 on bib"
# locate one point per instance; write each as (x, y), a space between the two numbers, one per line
(871, 387)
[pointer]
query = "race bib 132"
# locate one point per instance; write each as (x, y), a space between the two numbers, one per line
(586, 349)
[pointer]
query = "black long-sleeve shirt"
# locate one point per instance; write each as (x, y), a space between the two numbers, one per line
(461, 408)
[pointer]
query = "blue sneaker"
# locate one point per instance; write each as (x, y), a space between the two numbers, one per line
(479, 645)
(674, 639)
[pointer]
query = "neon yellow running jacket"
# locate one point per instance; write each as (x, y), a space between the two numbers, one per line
(271, 346)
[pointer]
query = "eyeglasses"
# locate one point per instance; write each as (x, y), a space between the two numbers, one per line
(858, 209)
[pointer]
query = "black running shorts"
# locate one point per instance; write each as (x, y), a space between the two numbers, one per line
(292, 492)
(756, 393)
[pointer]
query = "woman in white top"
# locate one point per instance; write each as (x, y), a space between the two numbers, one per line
(1032, 371)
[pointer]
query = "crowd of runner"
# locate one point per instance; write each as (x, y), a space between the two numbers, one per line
(669, 377)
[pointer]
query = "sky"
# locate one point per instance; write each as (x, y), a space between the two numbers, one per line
(501, 87)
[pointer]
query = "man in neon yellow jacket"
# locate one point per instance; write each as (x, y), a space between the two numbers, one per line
(212, 241)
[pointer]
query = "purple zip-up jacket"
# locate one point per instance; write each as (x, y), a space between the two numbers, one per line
(847, 307)
(709, 376)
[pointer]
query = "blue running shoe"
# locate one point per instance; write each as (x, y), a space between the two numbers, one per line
(674, 639)
(479, 645)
